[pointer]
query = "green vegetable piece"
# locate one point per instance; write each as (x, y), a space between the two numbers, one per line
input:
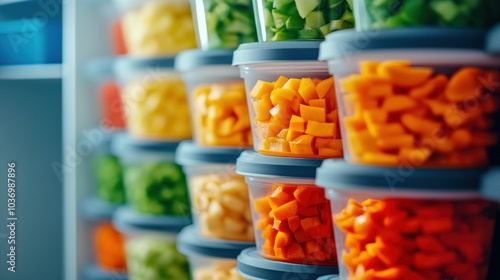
(346, 25)
(281, 4)
(295, 23)
(325, 29)
(284, 35)
(279, 18)
(336, 24)
(306, 6)
(334, 3)
(337, 11)
(109, 178)
(307, 34)
(348, 17)
(315, 19)
(446, 9)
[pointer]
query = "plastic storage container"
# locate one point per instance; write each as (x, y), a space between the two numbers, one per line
(92, 272)
(107, 92)
(493, 40)
(219, 196)
(279, 20)
(217, 98)
(491, 191)
(107, 170)
(107, 242)
(371, 14)
(223, 24)
(154, 98)
(408, 223)
(490, 185)
(291, 99)
(329, 277)
(150, 244)
(156, 27)
(421, 97)
(254, 267)
(291, 216)
(31, 41)
(210, 259)
(154, 183)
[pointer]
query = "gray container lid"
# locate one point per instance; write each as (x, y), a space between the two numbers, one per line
(124, 143)
(490, 185)
(251, 53)
(188, 153)
(337, 174)
(192, 59)
(493, 40)
(344, 43)
(95, 209)
(93, 272)
(252, 266)
(126, 67)
(99, 69)
(329, 277)
(126, 219)
(251, 163)
(189, 243)
(100, 137)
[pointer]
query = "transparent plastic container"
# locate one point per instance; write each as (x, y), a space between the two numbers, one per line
(279, 20)
(219, 196)
(156, 27)
(254, 267)
(107, 92)
(490, 191)
(385, 14)
(493, 40)
(107, 242)
(429, 97)
(291, 98)
(154, 99)
(291, 215)
(106, 168)
(224, 24)
(150, 245)
(92, 272)
(154, 183)
(217, 98)
(413, 223)
(208, 258)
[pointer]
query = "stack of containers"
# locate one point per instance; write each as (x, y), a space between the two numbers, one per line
(98, 209)
(418, 111)
(221, 129)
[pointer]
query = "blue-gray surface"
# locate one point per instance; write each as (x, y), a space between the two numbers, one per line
(30, 135)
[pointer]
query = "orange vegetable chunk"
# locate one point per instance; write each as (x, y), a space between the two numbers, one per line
(261, 88)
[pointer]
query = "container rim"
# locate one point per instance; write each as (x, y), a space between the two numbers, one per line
(97, 210)
(125, 219)
(124, 143)
(189, 153)
(262, 52)
(196, 58)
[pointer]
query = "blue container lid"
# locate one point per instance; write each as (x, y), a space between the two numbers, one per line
(338, 174)
(493, 40)
(189, 243)
(93, 272)
(188, 153)
(100, 138)
(99, 69)
(129, 62)
(126, 219)
(123, 143)
(253, 266)
(251, 163)
(490, 185)
(251, 53)
(329, 277)
(344, 43)
(95, 209)
(192, 59)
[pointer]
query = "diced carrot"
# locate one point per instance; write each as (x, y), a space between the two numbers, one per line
(294, 223)
(261, 205)
(280, 252)
(415, 156)
(283, 133)
(263, 222)
(301, 235)
(262, 109)
(395, 141)
(437, 225)
(282, 96)
(281, 225)
(368, 67)
(292, 134)
(283, 239)
(402, 75)
(297, 124)
(438, 108)
(484, 139)
(277, 145)
(345, 224)
(309, 223)
(324, 87)
(351, 242)
(380, 90)
(412, 275)
(464, 84)
(420, 125)
(398, 103)
(360, 143)
(473, 252)
(381, 130)
(316, 81)
(310, 211)
(281, 115)
(260, 88)
(424, 90)
(388, 253)
(321, 103)
(461, 138)
(375, 116)
(321, 129)
(433, 261)
(411, 226)
(335, 144)
(286, 210)
(490, 105)
(279, 197)
(309, 196)
(363, 226)
(307, 89)
(429, 243)
(354, 123)
(295, 252)
(269, 233)
(292, 84)
(332, 117)
(280, 82)
(268, 248)
(302, 145)
(392, 273)
(310, 113)
(457, 268)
